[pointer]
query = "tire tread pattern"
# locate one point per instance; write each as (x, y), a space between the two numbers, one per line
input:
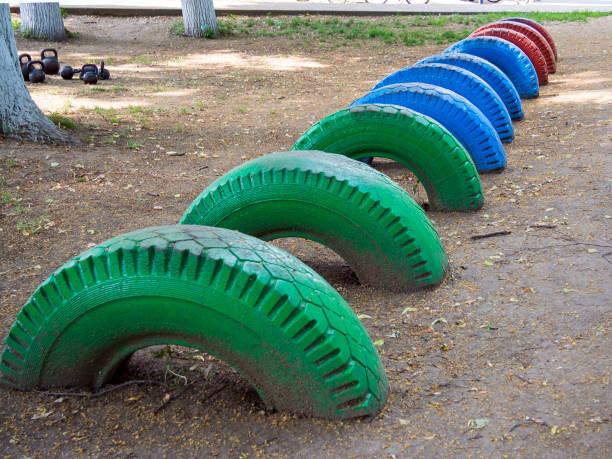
(417, 141)
(462, 82)
(505, 55)
(458, 115)
(287, 294)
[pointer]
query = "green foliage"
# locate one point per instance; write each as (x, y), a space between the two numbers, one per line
(177, 28)
(28, 34)
(63, 12)
(16, 24)
(63, 122)
(407, 30)
(71, 35)
(28, 227)
(206, 32)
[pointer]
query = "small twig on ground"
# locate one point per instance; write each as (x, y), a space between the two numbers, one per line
(202, 167)
(492, 234)
(170, 397)
(102, 392)
(543, 225)
(523, 379)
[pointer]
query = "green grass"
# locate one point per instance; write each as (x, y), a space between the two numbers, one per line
(63, 122)
(177, 28)
(16, 24)
(407, 30)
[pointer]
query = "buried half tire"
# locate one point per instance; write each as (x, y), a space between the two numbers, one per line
(462, 82)
(361, 214)
(282, 326)
(505, 55)
(457, 114)
(488, 72)
(414, 140)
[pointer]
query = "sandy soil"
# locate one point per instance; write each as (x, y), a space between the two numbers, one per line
(526, 341)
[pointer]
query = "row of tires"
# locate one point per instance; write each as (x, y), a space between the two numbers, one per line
(212, 283)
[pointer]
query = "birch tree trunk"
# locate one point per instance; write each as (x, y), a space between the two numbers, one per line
(199, 18)
(42, 20)
(20, 117)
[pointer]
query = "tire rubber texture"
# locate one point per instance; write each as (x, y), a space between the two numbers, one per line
(488, 72)
(540, 28)
(527, 46)
(251, 304)
(458, 115)
(536, 37)
(505, 55)
(361, 214)
(462, 82)
(416, 141)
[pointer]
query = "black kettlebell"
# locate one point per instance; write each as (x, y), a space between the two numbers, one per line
(103, 74)
(36, 75)
(89, 74)
(67, 72)
(50, 63)
(24, 66)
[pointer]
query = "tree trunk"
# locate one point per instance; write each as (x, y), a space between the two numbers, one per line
(19, 115)
(199, 18)
(42, 20)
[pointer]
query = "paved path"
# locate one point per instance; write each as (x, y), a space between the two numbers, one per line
(173, 7)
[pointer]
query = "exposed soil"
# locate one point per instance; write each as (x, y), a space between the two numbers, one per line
(526, 341)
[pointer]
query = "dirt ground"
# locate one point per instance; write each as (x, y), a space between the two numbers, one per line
(520, 365)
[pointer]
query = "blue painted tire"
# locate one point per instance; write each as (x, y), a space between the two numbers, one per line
(457, 114)
(464, 83)
(497, 79)
(505, 55)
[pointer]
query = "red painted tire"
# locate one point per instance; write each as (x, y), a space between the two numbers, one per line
(524, 43)
(539, 28)
(530, 33)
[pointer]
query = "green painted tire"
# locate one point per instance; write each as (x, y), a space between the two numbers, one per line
(251, 304)
(418, 142)
(346, 205)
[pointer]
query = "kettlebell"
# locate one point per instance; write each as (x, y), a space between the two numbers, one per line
(103, 74)
(68, 72)
(89, 74)
(50, 63)
(36, 75)
(24, 66)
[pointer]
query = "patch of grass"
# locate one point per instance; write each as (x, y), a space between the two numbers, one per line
(29, 34)
(406, 30)
(177, 28)
(147, 60)
(16, 24)
(28, 227)
(63, 122)
(6, 198)
(179, 127)
(133, 144)
(70, 34)
(10, 162)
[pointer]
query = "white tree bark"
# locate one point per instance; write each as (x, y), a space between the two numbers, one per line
(42, 20)
(199, 16)
(20, 117)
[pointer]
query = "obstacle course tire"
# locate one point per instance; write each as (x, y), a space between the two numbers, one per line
(458, 115)
(505, 55)
(462, 82)
(540, 28)
(358, 212)
(525, 44)
(531, 33)
(489, 73)
(254, 306)
(418, 142)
